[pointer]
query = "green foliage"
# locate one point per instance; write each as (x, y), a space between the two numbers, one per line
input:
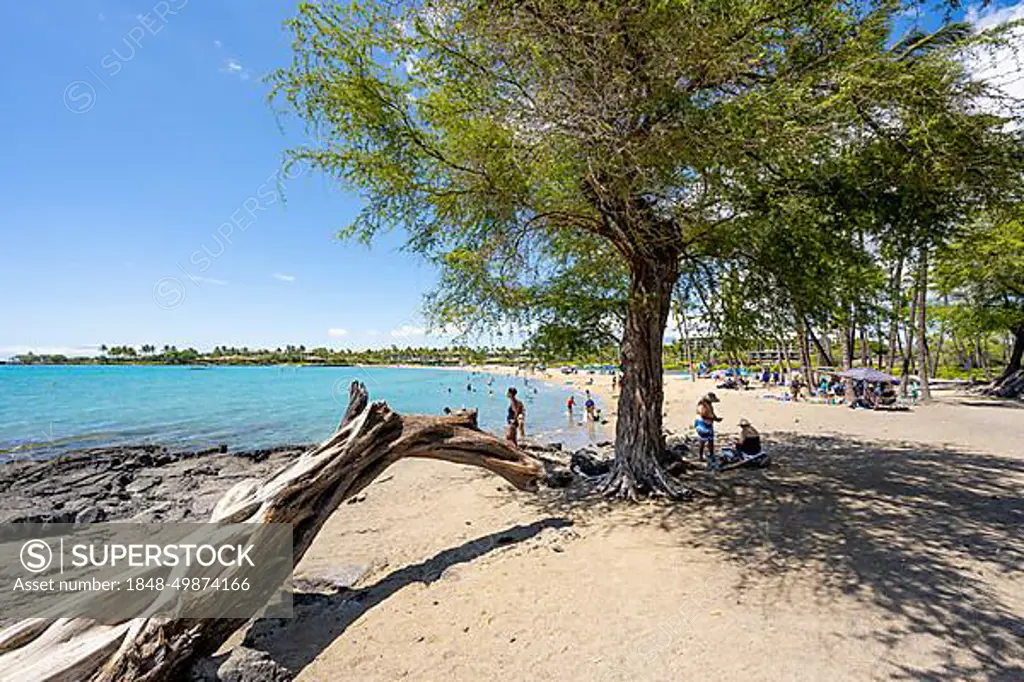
(796, 161)
(513, 141)
(983, 271)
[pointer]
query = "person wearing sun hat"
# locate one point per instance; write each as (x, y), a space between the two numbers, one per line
(705, 425)
(748, 442)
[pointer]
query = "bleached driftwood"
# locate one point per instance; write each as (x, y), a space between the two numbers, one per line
(304, 494)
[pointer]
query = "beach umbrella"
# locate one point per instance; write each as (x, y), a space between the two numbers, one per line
(868, 374)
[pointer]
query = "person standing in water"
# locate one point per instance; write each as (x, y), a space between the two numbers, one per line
(515, 418)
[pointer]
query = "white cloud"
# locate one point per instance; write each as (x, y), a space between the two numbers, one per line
(234, 67)
(1002, 67)
(217, 43)
(101, 16)
(372, 332)
(407, 330)
(209, 280)
(337, 331)
(283, 277)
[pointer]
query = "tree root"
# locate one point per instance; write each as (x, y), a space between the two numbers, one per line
(621, 483)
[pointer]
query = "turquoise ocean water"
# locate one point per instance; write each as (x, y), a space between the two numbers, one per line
(49, 410)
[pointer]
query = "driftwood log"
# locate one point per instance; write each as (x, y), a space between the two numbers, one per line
(305, 493)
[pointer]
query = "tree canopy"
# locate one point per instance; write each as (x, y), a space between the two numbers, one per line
(564, 161)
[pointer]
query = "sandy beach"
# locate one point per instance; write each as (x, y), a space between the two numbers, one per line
(878, 546)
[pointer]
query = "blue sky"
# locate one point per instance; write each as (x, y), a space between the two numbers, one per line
(131, 142)
(140, 192)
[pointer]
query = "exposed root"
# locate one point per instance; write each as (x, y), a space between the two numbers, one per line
(623, 484)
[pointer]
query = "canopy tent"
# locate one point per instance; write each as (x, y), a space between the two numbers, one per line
(868, 374)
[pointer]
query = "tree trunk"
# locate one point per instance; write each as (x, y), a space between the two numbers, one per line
(893, 343)
(305, 493)
(937, 356)
(865, 350)
(805, 354)
(1016, 355)
(922, 326)
(986, 368)
(908, 345)
(848, 361)
(825, 351)
(896, 307)
(639, 440)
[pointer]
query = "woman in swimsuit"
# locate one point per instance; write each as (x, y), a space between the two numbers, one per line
(515, 418)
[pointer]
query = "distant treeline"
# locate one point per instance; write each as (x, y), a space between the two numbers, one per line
(227, 355)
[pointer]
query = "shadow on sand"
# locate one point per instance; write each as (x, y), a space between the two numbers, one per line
(322, 618)
(932, 539)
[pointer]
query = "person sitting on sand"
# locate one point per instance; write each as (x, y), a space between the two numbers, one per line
(515, 417)
(748, 442)
(705, 425)
(867, 399)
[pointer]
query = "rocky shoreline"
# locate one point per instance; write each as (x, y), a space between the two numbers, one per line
(145, 483)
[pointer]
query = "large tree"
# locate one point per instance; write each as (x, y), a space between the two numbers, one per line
(497, 132)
